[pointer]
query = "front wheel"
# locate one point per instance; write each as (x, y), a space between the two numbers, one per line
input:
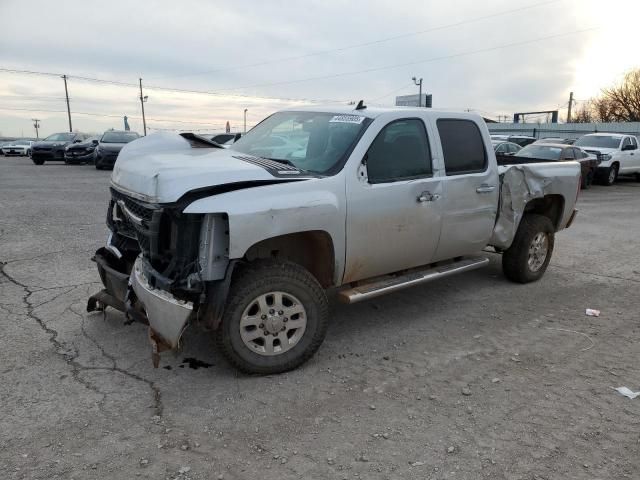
(38, 161)
(275, 319)
(611, 175)
(527, 258)
(587, 181)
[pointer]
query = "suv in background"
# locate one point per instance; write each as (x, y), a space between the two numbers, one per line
(109, 147)
(618, 154)
(52, 147)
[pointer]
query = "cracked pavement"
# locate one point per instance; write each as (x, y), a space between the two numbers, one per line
(471, 377)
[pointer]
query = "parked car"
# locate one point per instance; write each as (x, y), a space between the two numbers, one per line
(226, 139)
(229, 239)
(18, 148)
(109, 145)
(556, 140)
(52, 147)
(618, 154)
(502, 147)
(537, 152)
(522, 140)
(80, 152)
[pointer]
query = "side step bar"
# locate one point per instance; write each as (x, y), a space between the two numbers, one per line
(384, 285)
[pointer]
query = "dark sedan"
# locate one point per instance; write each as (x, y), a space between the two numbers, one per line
(80, 152)
(109, 146)
(561, 152)
(52, 147)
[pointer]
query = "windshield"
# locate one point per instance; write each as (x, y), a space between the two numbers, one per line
(540, 151)
(601, 141)
(60, 137)
(311, 141)
(118, 137)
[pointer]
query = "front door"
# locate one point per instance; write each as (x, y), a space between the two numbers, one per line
(393, 216)
(471, 189)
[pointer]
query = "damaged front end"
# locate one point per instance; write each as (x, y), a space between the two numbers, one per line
(151, 267)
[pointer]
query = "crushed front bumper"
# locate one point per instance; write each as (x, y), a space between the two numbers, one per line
(132, 293)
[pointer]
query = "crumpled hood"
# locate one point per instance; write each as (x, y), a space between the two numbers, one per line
(162, 167)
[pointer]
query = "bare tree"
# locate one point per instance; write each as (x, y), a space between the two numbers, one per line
(584, 114)
(620, 103)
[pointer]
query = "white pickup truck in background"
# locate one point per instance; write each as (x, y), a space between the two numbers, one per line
(618, 154)
(245, 240)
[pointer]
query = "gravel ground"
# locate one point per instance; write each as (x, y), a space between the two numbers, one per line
(471, 377)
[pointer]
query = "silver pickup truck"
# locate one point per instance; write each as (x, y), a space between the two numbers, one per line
(246, 241)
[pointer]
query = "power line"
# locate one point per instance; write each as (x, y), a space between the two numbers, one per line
(364, 44)
(407, 64)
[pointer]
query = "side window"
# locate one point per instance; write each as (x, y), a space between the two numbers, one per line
(399, 152)
(513, 148)
(462, 146)
(634, 142)
(502, 148)
(626, 142)
(567, 154)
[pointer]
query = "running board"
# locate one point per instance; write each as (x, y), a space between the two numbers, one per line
(390, 284)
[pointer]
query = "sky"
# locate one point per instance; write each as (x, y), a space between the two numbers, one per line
(494, 57)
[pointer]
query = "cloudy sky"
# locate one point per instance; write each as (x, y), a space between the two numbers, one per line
(494, 57)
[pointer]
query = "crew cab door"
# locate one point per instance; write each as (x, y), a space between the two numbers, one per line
(393, 206)
(629, 157)
(470, 189)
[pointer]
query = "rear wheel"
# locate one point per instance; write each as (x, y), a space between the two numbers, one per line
(275, 319)
(611, 175)
(637, 177)
(527, 258)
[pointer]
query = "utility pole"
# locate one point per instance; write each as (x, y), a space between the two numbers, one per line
(419, 91)
(36, 125)
(142, 100)
(245, 121)
(569, 109)
(66, 93)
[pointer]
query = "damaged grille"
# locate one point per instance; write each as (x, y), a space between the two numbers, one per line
(168, 239)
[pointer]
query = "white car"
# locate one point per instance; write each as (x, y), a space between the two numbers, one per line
(20, 148)
(618, 154)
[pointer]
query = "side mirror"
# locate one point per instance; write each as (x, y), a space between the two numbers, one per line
(95, 142)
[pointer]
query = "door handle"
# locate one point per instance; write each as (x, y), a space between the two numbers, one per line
(428, 197)
(484, 188)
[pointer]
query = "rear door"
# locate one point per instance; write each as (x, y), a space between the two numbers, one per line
(393, 211)
(471, 187)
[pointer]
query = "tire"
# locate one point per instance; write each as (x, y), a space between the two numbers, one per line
(284, 282)
(28, 154)
(637, 177)
(98, 167)
(519, 263)
(38, 161)
(587, 181)
(611, 176)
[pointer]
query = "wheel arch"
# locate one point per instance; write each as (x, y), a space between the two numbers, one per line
(312, 249)
(550, 206)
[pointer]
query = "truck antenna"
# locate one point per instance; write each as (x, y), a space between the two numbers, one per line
(361, 105)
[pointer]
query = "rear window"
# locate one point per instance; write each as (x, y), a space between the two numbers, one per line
(462, 146)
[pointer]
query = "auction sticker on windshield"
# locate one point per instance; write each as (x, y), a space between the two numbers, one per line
(346, 119)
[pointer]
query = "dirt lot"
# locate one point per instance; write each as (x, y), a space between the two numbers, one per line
(474, 377)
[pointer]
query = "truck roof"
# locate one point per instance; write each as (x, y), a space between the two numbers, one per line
(373, 112)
